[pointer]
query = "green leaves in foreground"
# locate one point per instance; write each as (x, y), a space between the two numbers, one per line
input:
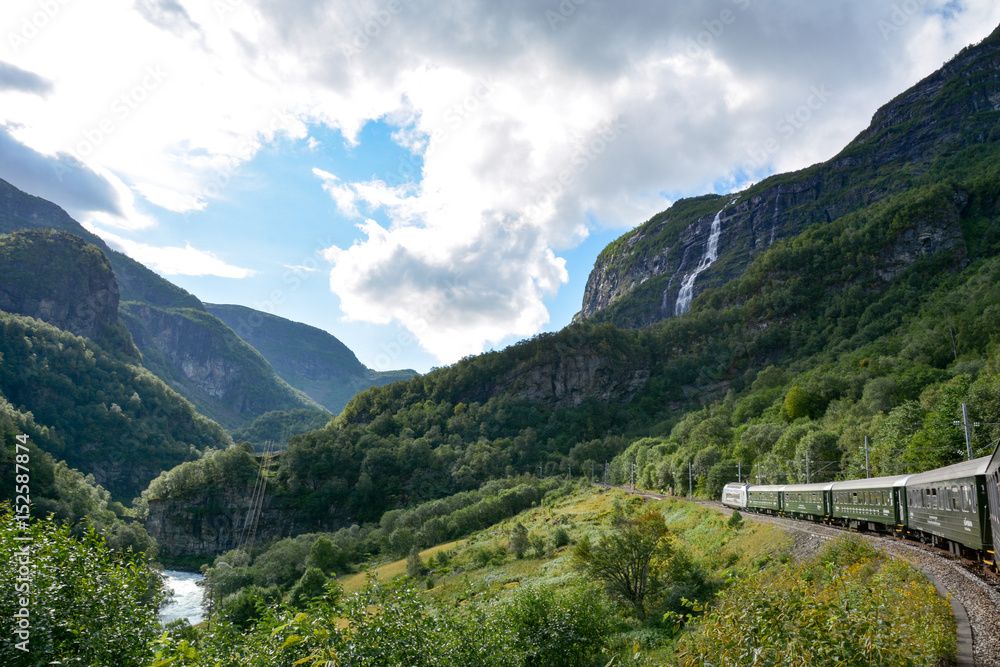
(86, 605)
(390, 625)
(852, 605)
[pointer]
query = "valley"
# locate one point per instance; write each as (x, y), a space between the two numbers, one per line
(835, 322)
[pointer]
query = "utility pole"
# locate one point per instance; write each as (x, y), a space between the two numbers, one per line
(807, 468)
(758, 471)
(739, 473)
(632, 477)
(968, 430)
(868, 467)
(691, 480)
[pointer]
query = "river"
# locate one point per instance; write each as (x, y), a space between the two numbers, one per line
(186, 599)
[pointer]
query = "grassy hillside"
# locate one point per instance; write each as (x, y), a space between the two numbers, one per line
(519, 593)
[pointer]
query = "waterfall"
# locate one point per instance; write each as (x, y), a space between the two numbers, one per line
(711, 254)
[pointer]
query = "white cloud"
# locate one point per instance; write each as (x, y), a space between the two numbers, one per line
(173, 261)
(525, 132)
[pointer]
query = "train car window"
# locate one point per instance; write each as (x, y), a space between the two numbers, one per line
(934, 495)
(854, 498)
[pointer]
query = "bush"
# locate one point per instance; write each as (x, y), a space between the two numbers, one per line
(88, 605)
(560, 538)
(556, 628)
(851, 605)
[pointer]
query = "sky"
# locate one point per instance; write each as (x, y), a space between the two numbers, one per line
(430, 179)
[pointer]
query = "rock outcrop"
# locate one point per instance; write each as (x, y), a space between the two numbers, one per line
(226, 378)
(569, 380)
(60, 279)
(213, 521)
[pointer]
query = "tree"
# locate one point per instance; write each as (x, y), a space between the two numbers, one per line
(414, 565)
(519, 540)
(310, 585)
(327, 556)
(628, 559)
(798, 403)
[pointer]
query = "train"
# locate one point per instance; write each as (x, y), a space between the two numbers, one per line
(956, 507)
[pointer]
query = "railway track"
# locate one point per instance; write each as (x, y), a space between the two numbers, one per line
(973, 591)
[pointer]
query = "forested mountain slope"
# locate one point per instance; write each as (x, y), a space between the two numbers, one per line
(866, 265)
(195, 352)
(305, 357)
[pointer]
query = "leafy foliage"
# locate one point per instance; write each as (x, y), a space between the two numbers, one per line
(851, 605)
(87, 604)
(629, 559)
(278, 426)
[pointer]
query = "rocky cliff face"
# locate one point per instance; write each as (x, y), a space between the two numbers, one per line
(636, 280)
(62, 280)
(212, 522)
(570, 379)
(305, 357)
(207, 362)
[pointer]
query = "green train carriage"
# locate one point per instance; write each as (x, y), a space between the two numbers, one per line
(810, 502)
(949, 508)
(765, 499)
(868, 504)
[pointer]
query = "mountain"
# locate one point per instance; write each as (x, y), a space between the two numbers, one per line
(203, 359)
(63, 280)
(858, 297)
(936, 130)
(192, 350)
(307, 358)
(102, 415)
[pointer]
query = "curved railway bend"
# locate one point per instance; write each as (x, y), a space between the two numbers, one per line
(975, 592)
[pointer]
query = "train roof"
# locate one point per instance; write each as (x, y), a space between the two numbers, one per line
(994, 461)
(956, 471)
(767, 487)
(824, 486)
(872, 483)
(738, 484)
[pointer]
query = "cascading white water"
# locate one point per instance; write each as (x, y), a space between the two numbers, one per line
(711, 254)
